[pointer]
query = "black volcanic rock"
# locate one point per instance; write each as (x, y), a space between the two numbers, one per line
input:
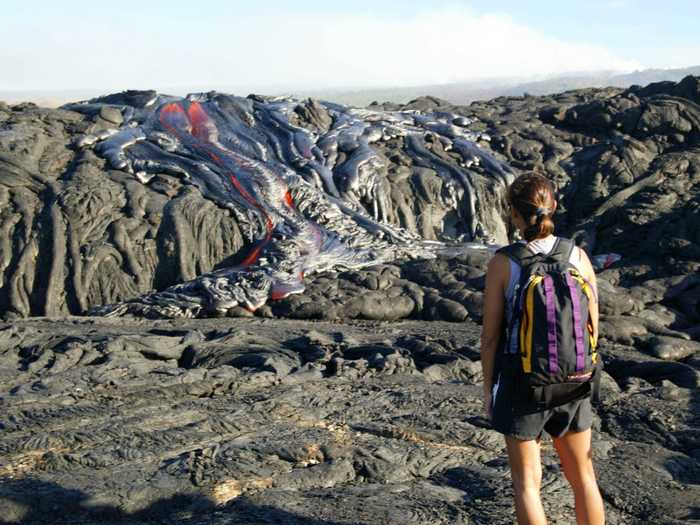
(154, 225)
(252, 420)
(365, 406)
(624, 163)
(131, 97)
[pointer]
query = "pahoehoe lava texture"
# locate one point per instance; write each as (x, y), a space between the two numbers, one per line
(219, 421)
(331, 415)
(300, 186)
(366, 186)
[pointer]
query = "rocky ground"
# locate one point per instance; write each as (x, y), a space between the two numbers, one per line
(275, 421)
(357, 401)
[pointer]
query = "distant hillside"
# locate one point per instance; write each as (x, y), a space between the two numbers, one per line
(46, 97)
(458, 93)
(560, 84)
(464, 93)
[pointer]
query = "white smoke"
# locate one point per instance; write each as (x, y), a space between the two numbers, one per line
(285, 49)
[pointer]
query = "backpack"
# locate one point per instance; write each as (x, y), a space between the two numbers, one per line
(556, 358)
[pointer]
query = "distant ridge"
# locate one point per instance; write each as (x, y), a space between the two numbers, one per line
(643, 77)
(464, 93)
(456, 93)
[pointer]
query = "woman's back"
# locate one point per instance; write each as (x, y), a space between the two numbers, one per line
(510, 405)
(544, 245)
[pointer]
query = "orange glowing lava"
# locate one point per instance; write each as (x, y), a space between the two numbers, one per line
(197, 124)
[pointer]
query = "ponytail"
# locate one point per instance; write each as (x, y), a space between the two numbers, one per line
(532, 195)
(542, 226)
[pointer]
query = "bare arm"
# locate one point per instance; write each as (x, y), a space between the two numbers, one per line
(496, 279)
(589, 274)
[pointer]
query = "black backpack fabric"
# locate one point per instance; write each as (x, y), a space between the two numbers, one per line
(556, 357)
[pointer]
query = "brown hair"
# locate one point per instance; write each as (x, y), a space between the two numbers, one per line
(532, 195)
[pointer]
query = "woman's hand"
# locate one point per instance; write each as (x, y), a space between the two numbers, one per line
(488, 403)
(496, 280)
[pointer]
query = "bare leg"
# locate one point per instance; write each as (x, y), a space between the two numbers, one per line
(526, 471)
(574, 450)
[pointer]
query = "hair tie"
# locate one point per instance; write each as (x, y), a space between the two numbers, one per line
(541, 211)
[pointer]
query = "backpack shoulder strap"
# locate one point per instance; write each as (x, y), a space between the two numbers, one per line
(562, 250)
(520, 255)
(517, 252)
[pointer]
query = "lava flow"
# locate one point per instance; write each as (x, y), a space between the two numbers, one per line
(309, 180)
(195, 128)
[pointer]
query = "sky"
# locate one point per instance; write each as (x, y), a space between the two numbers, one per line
(272, 45)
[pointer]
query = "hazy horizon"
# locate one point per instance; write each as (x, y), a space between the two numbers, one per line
(456, 93)
(324, 45)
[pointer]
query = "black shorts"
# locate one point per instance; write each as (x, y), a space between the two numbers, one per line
(516, 415)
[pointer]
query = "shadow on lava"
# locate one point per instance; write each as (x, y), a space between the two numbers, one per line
(35, 502)
(475, 483)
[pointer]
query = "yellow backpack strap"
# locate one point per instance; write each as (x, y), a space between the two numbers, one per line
(526, 324)
(590, 294)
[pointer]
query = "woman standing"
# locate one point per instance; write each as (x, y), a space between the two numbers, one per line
(512, 411)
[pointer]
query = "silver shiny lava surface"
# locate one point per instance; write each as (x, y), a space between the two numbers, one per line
(308, 180)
